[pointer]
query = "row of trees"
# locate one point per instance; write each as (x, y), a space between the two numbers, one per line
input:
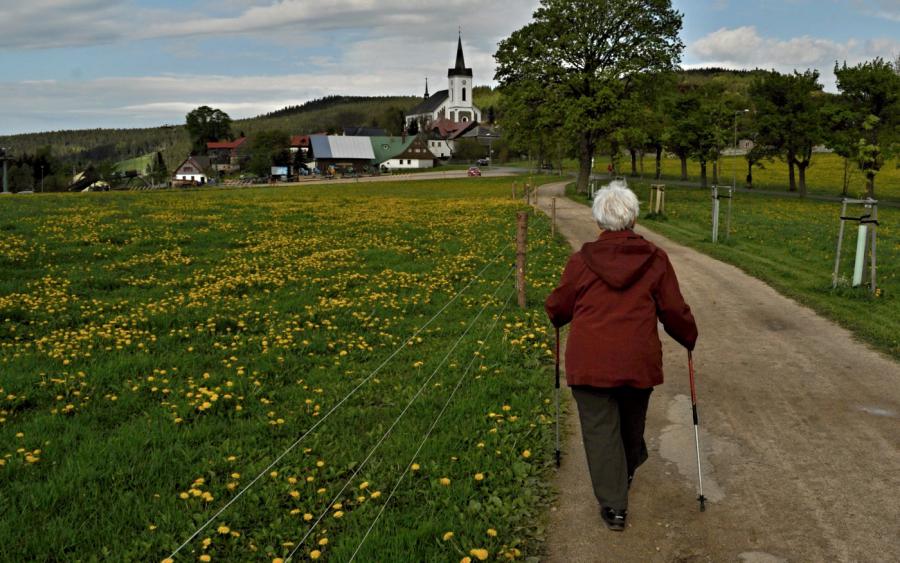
(571, 84)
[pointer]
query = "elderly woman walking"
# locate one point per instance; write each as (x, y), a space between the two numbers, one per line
(613, 291)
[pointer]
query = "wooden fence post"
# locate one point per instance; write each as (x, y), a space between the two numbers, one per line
(521, 244)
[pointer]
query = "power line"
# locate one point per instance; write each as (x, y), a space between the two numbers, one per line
(334, 408)
(430, 430)
(397, 420)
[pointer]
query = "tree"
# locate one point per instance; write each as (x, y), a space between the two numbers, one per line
(21, 178)
(392, 120)
(871, 91)
(789, 117)
(268, 149)
(206, 124)
(841, 129)
(585, 55)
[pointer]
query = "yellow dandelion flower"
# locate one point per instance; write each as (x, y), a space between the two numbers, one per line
(448, 535)
(307, 517)
(320, 463)
(480, 554)
(415, 467)
(235, 475)
(507, 408)
(315, 554)
(168, 560)
(338, 506)
(466, 559)
(339, 514)
(479, 476)
(278, 560)
(445, 481)
(224, 530)
(376, 494)
(492, 532)
(205, 558)
(364, 485)
(323, 541)
(526, 454)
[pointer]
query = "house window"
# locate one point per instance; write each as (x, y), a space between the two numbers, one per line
(464, 94)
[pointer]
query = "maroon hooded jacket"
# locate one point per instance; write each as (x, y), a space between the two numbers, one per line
(613, 291)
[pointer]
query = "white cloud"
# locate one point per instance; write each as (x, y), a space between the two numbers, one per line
(744, 48)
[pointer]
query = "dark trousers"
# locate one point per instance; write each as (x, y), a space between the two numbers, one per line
(612, 425)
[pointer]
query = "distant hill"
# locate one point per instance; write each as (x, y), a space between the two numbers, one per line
(79, 147)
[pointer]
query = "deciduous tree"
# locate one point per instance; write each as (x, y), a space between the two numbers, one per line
(206, 124)
(585, 55)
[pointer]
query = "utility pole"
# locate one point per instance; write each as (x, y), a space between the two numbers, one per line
(42, 178)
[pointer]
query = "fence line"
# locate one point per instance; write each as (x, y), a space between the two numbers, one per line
(334, 408)
(430, 430)
(397, 420)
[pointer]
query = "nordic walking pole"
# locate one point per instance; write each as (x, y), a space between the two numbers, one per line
(701, 498)
(557, 397)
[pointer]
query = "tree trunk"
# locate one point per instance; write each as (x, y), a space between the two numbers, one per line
(585, 153)
(846, 184)
(641, 163)
(715, 172)
(792, 183)
(749, 174)
(658, 173)
(870, 186)
(702, 173)
(634, 171)
(683, 168)
(801, 167)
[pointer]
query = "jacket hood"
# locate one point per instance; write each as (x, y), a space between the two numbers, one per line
(619, 258)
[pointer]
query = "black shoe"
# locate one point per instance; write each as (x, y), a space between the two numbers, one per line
(614, 519)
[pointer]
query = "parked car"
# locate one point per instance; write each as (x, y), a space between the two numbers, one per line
(474, 171)
(483, 162)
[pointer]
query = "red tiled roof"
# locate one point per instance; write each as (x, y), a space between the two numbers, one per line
(226, 144)
(299, 140)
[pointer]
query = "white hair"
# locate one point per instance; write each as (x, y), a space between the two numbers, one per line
(615, 206)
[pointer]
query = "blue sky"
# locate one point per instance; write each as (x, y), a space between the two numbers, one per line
(128, 63)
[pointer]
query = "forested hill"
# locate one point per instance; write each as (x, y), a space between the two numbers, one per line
(329, 114)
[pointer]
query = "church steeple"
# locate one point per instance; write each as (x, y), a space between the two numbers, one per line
(460, 68)
(426, 88)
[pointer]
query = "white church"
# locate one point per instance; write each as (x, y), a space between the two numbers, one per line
(453, 104)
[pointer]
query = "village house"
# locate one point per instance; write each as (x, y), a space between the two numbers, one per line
(341, 153)
(192, 171)
(416, 155)
(228, 156)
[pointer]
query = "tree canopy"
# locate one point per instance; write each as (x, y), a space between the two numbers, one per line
(206, 124)
(582, 57)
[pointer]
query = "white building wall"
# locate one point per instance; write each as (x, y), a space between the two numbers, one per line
(192, 178)
(440, 148)
(408, 163)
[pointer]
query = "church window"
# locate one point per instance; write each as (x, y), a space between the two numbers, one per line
(464, 94)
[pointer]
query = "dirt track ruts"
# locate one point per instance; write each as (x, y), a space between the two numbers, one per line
(800, 433)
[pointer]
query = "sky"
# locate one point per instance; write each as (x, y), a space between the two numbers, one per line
(73, 64)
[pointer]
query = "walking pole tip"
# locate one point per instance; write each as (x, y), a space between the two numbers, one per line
(702, 500)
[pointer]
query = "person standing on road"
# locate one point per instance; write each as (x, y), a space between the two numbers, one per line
(612, 292)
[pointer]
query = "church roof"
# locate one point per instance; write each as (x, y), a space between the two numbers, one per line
(431, 104)
(460, 68)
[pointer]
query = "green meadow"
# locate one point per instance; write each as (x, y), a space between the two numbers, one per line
(333, 361)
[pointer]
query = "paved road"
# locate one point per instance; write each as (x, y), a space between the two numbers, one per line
(488, 172)
(800, 433)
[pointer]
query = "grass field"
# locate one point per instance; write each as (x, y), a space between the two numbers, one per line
(824, 177)
(158, 351)
(790, 244)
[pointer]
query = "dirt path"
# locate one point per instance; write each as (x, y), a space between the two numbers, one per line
(800, 433)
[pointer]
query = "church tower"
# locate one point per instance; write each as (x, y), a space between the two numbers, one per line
(459, 103)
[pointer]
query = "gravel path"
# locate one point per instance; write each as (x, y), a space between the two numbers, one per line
(800, 430)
